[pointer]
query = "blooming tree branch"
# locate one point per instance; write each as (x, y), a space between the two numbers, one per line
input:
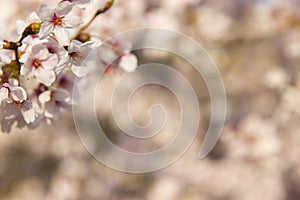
(37, 72)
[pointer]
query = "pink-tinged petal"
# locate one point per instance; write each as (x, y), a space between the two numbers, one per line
(74, 46)
(62, 36)
(18, 94)
(28, 113)
(26, 71)
(47, 77)
(46, 29)
(13, 82)
(45, 12)
(51, 62)
(63, 8)
(128, 62)
(33, 17)
(79, 71)
(45, 97)
(72, 21)
(40, 51)
(29, 116)
(3, 93)
(24, 58)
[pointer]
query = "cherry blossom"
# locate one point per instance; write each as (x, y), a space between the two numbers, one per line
(78, 55)
(56, 20)
(39, 63)
(12, 93)
(38, 71)
(128, 62)
(53, 101)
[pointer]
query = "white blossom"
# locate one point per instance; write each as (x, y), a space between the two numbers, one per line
(11, 92)
(78, 55)
(39, 63)
(53, 100)
(128, 62)
(56, 20)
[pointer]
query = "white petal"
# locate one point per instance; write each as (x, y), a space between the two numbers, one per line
(62, 36)
(45, 97)
(20, 25)
(13, 82)
(27, 71)
(25, 57)
(79, 71)
(51, 62)
(72, 21)
(63, 8)
(45, 12)
(47, 77)
(18, 94)
(128, 62)
(46, 29)
(107, 54)
(74, 46)
(28, 112)
(3, 93)
(40, 51)
(33, 17)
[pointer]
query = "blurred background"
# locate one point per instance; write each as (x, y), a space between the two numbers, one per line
(256, 46)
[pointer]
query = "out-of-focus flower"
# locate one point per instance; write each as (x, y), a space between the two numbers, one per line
(276, 78)
(53, 100)
(128, 62)
(15, 106)
(56, 20)
(12, 93)
(39, 63)
(78, 53)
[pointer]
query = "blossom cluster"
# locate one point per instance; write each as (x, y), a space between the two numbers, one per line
(37, 72)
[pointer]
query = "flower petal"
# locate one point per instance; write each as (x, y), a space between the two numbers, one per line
(3, 93)
(46, 29)
(128, 62)
(51, 62)
(62, 36)
(79, 71)
(45, 97)
(40, 51)
(27, 71)
(18, 94)
(72, 21)
(45, 12)
(28, 112)
(20, 26)
(63, 8)
(47, 77)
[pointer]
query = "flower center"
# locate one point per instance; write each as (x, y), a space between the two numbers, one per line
(56, 20)
(76, 57)
(36, 63)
